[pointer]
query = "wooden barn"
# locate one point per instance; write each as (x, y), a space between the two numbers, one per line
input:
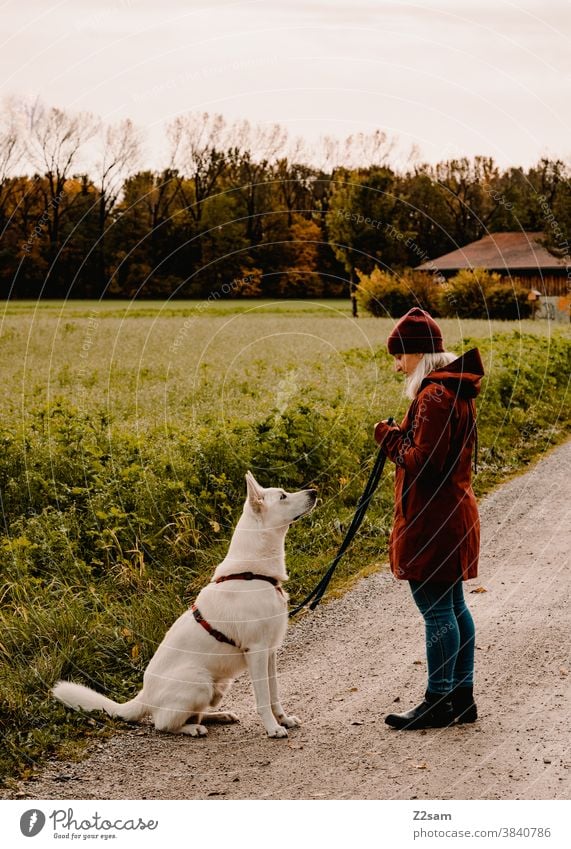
(515, 255)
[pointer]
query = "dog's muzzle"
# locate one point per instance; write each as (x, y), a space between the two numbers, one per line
(312, 498)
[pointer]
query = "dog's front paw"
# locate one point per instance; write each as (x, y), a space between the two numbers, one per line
(221, 716)
(230, 716)
(194, 730)
(279, 731)
(289, 721)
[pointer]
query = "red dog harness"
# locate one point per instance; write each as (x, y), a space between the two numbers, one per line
(240, 576)
(218, 635)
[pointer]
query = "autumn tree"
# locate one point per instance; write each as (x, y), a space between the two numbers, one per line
(145, 240)
(362, 206)
(467, 189)
(119, 149)
(55, 141)
(301, 277)
(11, 154)
(254, 150)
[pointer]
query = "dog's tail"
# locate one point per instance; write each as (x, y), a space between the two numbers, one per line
(77, 696)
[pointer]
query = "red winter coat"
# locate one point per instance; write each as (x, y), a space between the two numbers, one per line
(436, 531)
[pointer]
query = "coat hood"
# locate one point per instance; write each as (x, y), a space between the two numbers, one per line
(462, 376)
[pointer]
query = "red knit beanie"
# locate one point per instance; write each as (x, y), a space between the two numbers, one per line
(415, 333)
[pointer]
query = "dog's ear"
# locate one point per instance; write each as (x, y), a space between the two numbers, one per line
(255, 492)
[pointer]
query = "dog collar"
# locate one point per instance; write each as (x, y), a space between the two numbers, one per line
(218, 635)
(250, 576)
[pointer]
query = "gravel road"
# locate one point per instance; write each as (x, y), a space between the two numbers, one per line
(356, 659)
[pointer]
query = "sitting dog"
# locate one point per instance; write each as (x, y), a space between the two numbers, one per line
(237, 622)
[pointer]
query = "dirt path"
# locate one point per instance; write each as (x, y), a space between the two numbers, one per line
(343, 668)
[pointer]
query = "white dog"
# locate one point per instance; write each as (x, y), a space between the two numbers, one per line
(238, 621)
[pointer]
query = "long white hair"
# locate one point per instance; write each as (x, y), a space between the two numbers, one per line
(428, 363)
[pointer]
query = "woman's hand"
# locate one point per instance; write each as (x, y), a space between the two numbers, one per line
(380, 429)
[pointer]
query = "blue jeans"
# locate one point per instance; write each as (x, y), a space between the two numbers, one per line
(450, 634)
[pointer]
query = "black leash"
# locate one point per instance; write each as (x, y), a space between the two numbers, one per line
(362, 505)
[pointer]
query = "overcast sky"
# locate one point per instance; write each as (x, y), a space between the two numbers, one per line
(455, 77)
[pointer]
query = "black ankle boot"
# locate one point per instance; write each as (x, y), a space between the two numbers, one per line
(434, 712)
(463, 705)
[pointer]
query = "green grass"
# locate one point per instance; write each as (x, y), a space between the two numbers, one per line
(149, 362)
(125, 433)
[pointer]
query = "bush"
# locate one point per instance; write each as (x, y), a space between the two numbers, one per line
(508, 301)
(478, 293)
(383, 294)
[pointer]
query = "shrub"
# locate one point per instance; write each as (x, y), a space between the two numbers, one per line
(479, 293)
(508, 301)
(384, 294)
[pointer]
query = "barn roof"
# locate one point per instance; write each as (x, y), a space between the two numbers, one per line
(499, 252)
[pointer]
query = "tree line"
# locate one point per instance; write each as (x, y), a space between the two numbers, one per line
(240, 210)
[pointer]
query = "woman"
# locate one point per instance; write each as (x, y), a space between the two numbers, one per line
(435, 540)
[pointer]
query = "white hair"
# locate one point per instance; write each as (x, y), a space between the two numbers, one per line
(428, 363)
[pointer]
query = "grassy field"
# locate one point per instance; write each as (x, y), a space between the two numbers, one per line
(153, 363)
(125, 433)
